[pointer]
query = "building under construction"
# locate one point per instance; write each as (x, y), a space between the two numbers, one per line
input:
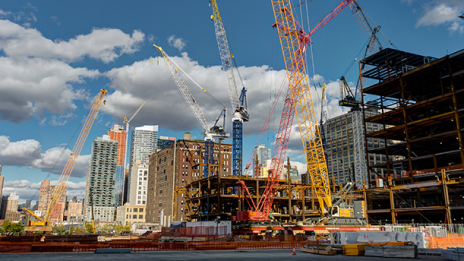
(421, 104)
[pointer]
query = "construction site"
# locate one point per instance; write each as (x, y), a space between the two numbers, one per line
(386, 179)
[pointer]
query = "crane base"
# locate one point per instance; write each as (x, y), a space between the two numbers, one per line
(38, 229)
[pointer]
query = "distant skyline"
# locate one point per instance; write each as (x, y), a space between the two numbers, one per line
(55, 56)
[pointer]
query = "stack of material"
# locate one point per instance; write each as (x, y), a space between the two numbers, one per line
(321, 249)
(33, 238)
(82, 239)
(354, 250)
(341, 237)
(456, 254)
(374, 251)
(400, 251)
(392, 249)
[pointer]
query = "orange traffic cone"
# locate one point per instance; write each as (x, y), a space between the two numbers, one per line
(294, 253)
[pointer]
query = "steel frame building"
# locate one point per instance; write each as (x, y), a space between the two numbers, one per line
(421, 104)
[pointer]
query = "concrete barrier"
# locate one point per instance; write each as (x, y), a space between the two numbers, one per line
(418, 238)
(112, 251)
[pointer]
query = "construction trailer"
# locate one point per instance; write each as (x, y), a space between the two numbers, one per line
(420, 100)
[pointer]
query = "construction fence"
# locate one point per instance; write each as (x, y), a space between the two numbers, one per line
(193, 231)
(13, 247)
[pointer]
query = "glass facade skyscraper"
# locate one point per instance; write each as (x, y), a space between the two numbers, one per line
(144, 142)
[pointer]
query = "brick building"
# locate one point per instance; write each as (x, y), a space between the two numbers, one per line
(174, 167)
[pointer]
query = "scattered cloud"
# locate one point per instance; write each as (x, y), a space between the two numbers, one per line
(101, 44)
(54, 160)
(27, 190)
(177, 43)
(443, 12)
(18, 153)
(27, 153)
(55, 20)
(45, 86)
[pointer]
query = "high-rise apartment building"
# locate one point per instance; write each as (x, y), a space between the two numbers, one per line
(74, 209)
(176, 166)
(118, 134)
(264, 153)
(340, 149)
(138, 183)
(45, 195)
(9, 204)
(99, 189)
(164, 142)
(144, 142)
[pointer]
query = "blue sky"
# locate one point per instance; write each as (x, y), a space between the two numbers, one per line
(55, 56)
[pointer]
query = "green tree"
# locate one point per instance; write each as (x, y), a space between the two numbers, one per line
(6, 224)
(89, 227)
(59, 229)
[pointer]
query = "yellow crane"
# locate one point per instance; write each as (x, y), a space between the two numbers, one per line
(43, 223)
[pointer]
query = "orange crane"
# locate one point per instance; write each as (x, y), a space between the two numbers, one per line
(42, 223)
(298, 100)
(293, 42)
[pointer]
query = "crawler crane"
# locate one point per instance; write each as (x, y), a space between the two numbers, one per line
(43, 224)
(293, 40)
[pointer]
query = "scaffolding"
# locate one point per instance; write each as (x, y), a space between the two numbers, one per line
(420, 100)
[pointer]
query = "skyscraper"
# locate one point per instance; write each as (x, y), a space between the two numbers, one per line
(264, 153)
(46, 191)
(138, 183)
(144, 142)
(118, 134)
(9, 204)
(164, 142)
(99, 189)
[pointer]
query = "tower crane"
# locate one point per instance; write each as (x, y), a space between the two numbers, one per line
(42, 223)
(239, 103)
(127, 122)
(209, 131)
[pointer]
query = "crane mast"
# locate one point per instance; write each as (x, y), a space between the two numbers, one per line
(239, 103)
(209, 131)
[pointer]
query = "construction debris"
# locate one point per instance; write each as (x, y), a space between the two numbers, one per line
(456, 254)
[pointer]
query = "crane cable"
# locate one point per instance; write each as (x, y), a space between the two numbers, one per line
(61, 155)
(198, 85)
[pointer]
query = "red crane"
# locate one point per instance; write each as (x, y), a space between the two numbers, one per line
(263, 209)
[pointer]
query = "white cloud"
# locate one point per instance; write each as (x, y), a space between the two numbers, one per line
(177, 43)
(19, 153)
(48, 162)
(443, 12)
(27, 153)
(102, 44)
(31, 87)
(26, 189)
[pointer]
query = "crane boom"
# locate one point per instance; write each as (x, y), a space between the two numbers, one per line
(61, 185)
(293, 51)
(239, 103)
(226, 57)
(209, 131)
(184, 89)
